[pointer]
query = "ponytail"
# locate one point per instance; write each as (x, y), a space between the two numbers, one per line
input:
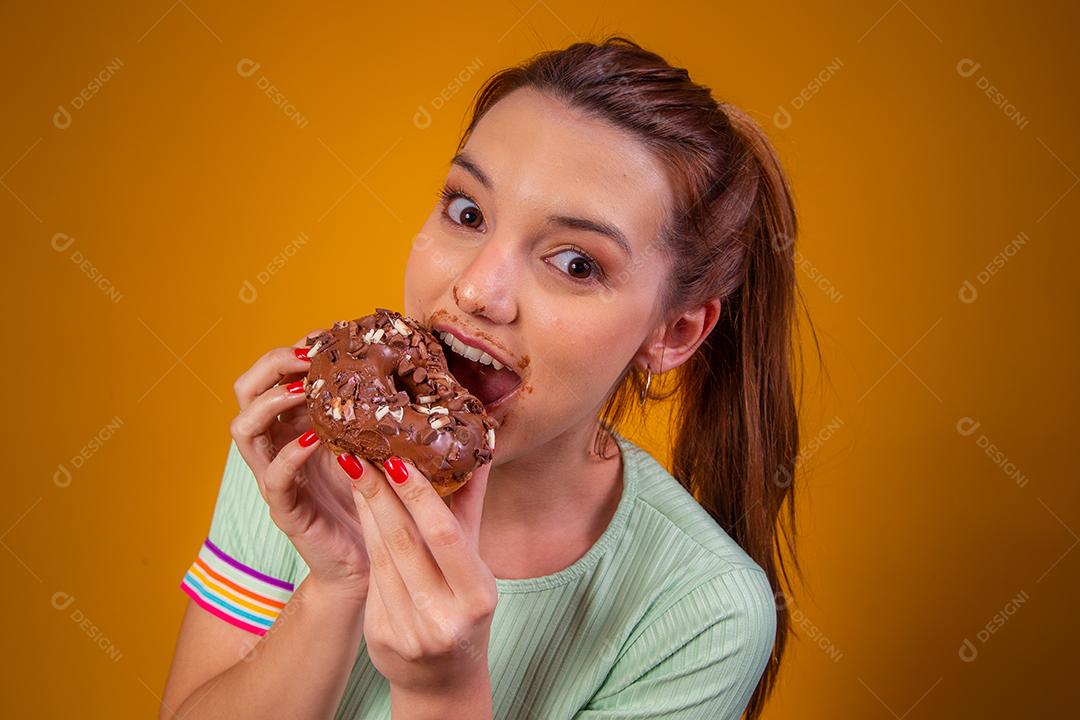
(737, 437)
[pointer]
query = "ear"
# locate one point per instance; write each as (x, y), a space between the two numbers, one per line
(677, 339)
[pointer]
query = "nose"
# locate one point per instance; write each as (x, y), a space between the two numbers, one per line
(486, 286)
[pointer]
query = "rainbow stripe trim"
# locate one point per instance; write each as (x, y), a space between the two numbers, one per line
(234, 592)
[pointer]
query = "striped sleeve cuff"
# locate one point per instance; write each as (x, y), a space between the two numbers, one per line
(234, 592)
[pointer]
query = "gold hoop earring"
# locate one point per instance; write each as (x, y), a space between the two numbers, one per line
(645, 390)
(648, 379)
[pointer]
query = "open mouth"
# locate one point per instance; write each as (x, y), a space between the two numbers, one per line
(482, 375)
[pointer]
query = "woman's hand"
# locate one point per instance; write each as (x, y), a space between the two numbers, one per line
(306, 490)
(429, 609)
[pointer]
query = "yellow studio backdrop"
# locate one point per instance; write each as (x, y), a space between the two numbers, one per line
(186, 185)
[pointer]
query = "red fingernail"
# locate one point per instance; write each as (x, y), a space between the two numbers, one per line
(301, 353)
(307, 439)
(396, 469)
(351, 465)
(295, 387)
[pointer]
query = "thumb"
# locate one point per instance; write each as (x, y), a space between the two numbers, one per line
(467, 503)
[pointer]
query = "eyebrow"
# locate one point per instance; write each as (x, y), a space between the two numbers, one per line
(596, 226)
(575, 223)
(462, 161)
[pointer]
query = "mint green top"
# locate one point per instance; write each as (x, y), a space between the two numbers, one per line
(665, 616)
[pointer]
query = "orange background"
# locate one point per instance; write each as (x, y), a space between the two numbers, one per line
(940, 492)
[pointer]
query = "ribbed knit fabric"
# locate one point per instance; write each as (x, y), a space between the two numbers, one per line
(664, 617)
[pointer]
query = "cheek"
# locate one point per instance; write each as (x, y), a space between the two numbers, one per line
(425, 276)
(436, 258)
(586, 354)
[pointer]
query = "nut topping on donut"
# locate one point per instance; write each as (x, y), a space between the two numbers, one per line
(379, 386)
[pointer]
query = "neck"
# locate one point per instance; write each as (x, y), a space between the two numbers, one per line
(558, 482)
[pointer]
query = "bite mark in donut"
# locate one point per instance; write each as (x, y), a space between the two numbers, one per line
(379, 386)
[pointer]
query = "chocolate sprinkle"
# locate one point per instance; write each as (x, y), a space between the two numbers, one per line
(388, 376)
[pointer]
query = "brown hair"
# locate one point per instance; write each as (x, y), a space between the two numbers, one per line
(731, 236)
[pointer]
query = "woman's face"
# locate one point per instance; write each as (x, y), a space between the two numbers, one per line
(523, 254)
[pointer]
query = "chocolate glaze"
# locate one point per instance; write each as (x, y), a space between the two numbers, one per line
(353, 375)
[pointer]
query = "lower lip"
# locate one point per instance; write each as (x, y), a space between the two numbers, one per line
(505, 399)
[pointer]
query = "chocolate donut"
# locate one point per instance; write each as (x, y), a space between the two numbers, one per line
(379, 386)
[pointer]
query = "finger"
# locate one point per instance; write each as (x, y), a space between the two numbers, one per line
(301, 343)
(268, 371)
(467, 503)
(285, 474)
(249, 427)
(452, 549)
(404, 540)
(291, 377)
(296, 417)
(377, 615)
(397, 600)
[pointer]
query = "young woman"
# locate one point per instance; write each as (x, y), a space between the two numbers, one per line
(604, 222)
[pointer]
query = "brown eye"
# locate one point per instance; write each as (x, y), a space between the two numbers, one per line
(464, 211)
(579, 267)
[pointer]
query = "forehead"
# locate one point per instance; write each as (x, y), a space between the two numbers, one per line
(540, 154)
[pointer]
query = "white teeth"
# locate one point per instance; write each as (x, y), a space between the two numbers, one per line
(469, 352)
(458, 346)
